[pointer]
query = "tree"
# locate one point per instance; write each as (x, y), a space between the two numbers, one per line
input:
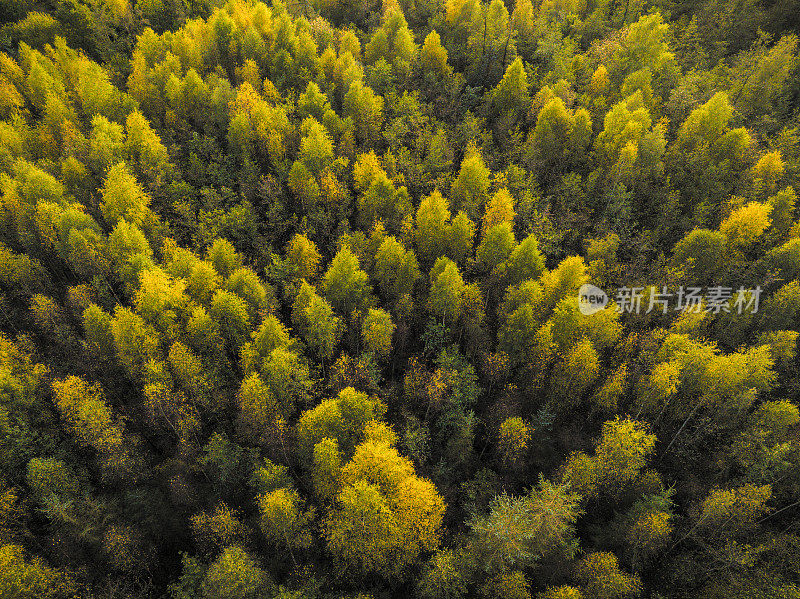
(161, 301)
(559, 138)
(392, 42)
(215, 530)
(123, 198)
(326, 469)
(525, 262)
(573, 376)
(29, 579)
(377, 331)
(620, 455)
(258, 410)
(362, 531)
(106, 144)
(342, 419)
(732, 512)
(144, 147)
(314, 318)
(432, 227)
(345, 285)
(524, 338)
(230, 312)
(497, 245)
(130, 253)
(520, 530)
(234, 575)
(396, 269)
(766, 174)
(629, 146)
(471, 188)
(608, 396)
(656, 389)
(383, 202)
(303, 257)
(284, 519)
(744, 226)
(136, 342)
(512, 584)
(433, 57)
(97, 324)
(288, 379)
(385, 516)
(85, 411)
(312, 102)
(365, 108)
(224, 257)
(316, 147)
(600, 574)
(707, 155)
(48, 476)
(648, 526)
(569, 326)
(500, 209)
(700, 254)
(511, 94)
(258, 296)
(513, 439)
(188, 372)
(271, 335)
(446, 298)
(442, 577)
(461, 234)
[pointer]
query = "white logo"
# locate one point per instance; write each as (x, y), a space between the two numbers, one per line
(591, 299)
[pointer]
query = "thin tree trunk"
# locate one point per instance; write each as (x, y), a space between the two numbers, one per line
(680, 430)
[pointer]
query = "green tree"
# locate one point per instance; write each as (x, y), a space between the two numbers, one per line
(433, 58)
(497, 245)
(224, 257)
(559, 138)
(446, 299)
(470, 190)
(396, 269)
(377, 332)
(525, 262)
(230, 313)
(366, 109)
(345, 285)
(511, 94)
(315, 320)
(520, 530)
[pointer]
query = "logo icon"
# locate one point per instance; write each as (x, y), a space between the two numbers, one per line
(591, 299)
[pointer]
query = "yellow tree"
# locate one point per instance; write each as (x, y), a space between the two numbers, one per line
(384, 516)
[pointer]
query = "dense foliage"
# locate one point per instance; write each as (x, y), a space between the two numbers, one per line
(289, 299)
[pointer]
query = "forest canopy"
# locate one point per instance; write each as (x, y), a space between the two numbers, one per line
(442, 299)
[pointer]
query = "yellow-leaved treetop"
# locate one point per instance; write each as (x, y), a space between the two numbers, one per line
(385, 516)
(620, 455)
(87, 414)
